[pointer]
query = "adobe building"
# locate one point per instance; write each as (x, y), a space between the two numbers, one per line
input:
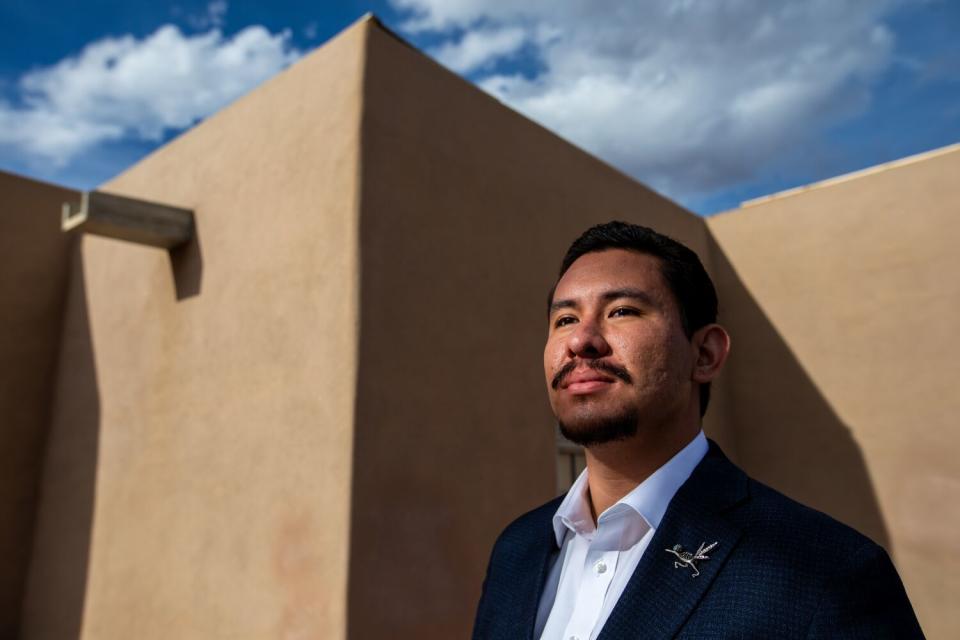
(313, 418)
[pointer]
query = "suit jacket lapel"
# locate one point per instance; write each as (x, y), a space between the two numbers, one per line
(659, 597)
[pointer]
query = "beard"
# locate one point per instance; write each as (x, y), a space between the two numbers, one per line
(586, 428)
(589, 430)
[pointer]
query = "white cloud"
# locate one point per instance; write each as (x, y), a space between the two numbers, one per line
(478, 48)
(119, 88)
(686, 95)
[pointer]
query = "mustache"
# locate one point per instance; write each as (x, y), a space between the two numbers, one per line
(596, 365)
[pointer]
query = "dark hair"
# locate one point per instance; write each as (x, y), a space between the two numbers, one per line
(681, 269)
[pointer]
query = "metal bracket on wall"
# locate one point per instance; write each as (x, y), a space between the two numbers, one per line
(150, 223)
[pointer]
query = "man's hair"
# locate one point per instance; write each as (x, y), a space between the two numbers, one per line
(682, 270)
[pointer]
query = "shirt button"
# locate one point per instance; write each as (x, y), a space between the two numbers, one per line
(601, 566)
(574, 638)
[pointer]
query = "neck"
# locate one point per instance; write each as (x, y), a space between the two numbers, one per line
(615, 469)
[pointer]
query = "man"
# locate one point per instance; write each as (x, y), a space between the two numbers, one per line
(662, 536)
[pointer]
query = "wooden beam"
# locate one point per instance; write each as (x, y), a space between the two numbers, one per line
(113, 216)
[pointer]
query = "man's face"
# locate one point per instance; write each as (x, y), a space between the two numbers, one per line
(616, 355)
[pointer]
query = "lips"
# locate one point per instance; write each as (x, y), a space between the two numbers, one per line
(586, 381)
(590, 374)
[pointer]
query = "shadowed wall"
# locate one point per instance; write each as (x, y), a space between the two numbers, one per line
(56, 591)
(33, 284)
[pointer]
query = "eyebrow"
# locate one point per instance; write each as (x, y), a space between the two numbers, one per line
(607, 296)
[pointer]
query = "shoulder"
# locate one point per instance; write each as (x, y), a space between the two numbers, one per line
(849, 583)
(782, 537)
(778, 536)
(798, 566)
(846, 577)
(774, 514)
(516, 569)
(530, 528)
(766, 516)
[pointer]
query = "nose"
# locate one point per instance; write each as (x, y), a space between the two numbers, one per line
(587, 342)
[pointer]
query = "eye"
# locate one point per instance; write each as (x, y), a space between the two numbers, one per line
(563, 321)
(624, 311)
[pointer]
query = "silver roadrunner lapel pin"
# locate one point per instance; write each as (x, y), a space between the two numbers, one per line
(687, 559)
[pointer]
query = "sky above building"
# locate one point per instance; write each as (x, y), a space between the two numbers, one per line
(710, 102)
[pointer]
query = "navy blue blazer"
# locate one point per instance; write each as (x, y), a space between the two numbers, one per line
(779, 570)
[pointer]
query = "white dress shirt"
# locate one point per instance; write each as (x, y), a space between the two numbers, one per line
(596, 562)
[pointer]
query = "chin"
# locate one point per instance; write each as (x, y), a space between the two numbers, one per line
(590, 430)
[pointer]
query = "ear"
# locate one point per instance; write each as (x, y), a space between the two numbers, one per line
(712, 346)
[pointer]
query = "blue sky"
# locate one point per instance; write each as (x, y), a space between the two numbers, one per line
(710, 102)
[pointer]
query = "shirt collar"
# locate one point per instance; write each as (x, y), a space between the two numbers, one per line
(649, 499)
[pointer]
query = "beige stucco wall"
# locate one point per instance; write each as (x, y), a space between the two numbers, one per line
(467, 209)
(842, 385)
(203, 427)
(34, 267)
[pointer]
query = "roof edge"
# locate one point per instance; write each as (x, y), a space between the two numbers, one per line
(853, 175)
